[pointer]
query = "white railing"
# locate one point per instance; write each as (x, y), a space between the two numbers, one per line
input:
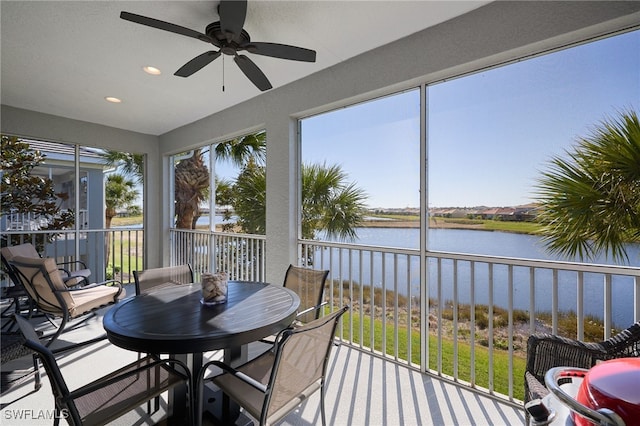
(34, 221)
(109, 253)
(241, 256)
(480, 309)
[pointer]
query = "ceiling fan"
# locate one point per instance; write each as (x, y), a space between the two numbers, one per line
(229, 37)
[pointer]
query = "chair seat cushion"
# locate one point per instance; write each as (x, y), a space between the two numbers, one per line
(93, 298)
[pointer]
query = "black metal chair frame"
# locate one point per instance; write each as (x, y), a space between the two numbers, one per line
(268, 388)
(62, 310)
(64, 398)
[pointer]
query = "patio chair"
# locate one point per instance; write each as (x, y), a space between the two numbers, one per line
(17, 293)
(73, 273)
(309, 285)
(155, 278)
(12, 348)
(111, 396)
(272, 385)
(42, 279)
(545, 351)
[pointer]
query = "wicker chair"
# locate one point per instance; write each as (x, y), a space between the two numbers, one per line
(545, 351)
(275, 383)
(111, 396)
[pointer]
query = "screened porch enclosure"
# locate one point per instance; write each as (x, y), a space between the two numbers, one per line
(454, 319)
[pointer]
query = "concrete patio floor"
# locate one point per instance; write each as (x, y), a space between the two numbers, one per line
(362, 390)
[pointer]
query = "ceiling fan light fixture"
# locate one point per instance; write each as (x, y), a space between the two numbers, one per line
(113, 99)
(151, 70)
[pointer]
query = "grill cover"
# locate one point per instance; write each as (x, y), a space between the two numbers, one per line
(615, 385)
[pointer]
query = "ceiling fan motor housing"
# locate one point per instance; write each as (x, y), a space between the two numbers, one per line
(219, 39)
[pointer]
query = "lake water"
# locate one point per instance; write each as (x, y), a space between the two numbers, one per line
(495, 244)
(507, 245)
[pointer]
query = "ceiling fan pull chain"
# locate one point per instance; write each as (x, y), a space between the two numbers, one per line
(223, 73)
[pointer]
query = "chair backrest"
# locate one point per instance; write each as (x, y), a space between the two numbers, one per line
(309, 285)
(24, 250)
(58, 385)
(159, 277)
(301, 359)
(624, 344)
(8, 253)
(41, 278)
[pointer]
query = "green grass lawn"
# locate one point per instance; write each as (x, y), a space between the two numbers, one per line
(126, 221)
(500, 360)
(480, 224)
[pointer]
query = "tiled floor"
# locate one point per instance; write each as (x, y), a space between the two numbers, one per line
(362, 390)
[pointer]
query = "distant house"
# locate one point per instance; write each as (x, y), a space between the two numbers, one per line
(527, 212)
(521, 213)
(59, 166)
(518, 214)
(490, 213)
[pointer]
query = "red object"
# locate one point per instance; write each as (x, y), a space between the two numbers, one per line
(615, 385)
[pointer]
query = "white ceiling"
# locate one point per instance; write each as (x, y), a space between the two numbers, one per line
(65, 57)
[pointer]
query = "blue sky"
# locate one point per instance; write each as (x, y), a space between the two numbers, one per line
(489, 134)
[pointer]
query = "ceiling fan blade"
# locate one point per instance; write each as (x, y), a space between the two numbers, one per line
(166, 26)
(232, 15)
(252, 72)
(197, 63)
(282, 51)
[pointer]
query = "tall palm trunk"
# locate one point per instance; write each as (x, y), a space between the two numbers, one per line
(191, 184)
(192, 180)
(110, 213)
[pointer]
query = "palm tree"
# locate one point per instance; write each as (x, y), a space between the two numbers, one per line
(248, 198)
(590, 201)
(192, 184)
(329, 202)
(120, 193)
(241, 150)
(192, 174)
(130, 165)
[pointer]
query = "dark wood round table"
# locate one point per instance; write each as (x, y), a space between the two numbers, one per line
(172, 320)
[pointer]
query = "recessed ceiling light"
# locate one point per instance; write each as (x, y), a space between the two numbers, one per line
(112, 99)
(152, 70)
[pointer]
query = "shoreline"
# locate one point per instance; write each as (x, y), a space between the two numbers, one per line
(433, 224)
